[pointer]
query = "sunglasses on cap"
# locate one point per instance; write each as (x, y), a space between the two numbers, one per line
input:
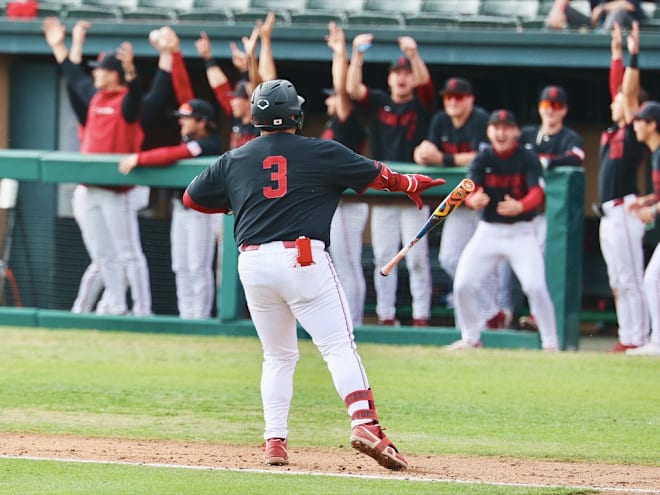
(454, 96)
(547, 104)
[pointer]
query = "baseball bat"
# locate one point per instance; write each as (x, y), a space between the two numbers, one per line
(449, 204)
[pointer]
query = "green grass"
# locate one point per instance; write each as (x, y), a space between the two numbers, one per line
(23, 477)
(568, 406)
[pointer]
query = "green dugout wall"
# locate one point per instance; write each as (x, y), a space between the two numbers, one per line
(42, 170)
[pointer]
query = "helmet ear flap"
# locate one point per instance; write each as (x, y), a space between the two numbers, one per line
(300, 120)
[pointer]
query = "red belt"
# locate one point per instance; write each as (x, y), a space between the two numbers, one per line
(254, 247)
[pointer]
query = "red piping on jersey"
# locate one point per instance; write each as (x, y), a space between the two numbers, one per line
(188, 202)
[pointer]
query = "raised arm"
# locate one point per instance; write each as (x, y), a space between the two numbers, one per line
(408, 45)
(267, 69)
(250, 47)
(216, 77)
(337, 43)
(55, 34)
(630, 85)
(354, 85)
(78, 36)
(616, 62)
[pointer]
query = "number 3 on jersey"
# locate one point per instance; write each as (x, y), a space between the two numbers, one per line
(278, 167)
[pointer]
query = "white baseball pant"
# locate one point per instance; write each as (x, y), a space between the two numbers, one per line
(91, 283)
(193, 239)
(392, 227)
(115, 237)
(346, 233)
(457, 230)
(491, 244)
(278, 292)
(652, 293)
(621, 235)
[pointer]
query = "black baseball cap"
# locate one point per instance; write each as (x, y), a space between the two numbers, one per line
(555, 94)
(196, 108)
(502, 116)
(457, 85)
(108, 61)
(650, 111)
(241, 90)
(401, 62)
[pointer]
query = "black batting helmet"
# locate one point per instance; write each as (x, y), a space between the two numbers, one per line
(276, 105)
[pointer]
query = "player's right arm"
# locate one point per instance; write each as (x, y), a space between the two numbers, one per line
(207, 192)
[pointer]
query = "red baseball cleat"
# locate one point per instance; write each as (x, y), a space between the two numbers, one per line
(370, 439)
(619, 347)
(275, 453)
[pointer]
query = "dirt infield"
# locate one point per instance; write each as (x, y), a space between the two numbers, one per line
(612, 478)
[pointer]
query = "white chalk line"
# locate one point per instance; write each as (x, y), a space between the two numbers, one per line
(645, 491)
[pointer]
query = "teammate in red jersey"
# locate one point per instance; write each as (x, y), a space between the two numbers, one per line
(283, 189)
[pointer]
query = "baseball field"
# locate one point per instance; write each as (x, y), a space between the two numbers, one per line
(89, 412)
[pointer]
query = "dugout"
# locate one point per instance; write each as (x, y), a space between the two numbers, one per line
(507, 67)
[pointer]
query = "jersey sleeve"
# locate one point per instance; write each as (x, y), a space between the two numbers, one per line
(164, 155)
(352, 170)
(426, 94)
(222, 96)
(181, 79)
(157, 98)
(574, 154)
(476, 170)
(207, 192)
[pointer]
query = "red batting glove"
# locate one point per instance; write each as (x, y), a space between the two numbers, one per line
(417, 183)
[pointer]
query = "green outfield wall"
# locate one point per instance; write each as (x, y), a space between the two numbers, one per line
(40, 172)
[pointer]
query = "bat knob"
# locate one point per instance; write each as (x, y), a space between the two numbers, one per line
(383, 273)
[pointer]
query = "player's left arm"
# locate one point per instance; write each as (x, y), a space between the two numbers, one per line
(573, 156)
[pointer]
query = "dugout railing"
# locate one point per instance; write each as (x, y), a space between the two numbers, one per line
(39, 173)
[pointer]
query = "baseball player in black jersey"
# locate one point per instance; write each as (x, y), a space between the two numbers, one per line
(453, 139)
(508, 179)
(398, 122)
(621, 232)
(556, 145)
(283, 189)
(350, 218)
(647, 130)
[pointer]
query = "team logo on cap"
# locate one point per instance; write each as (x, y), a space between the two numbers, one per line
(452, 84)
(186, 109)
(262, 104)
(502, 115)
(553, 92)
